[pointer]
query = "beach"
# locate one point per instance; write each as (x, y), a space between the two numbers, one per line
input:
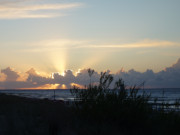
(26, 116)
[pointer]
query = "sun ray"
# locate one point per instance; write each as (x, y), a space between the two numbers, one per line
(59, 60)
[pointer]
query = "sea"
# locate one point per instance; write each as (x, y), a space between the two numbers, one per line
(167, 95)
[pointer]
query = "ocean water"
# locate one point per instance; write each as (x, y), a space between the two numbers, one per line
(58, 94)
(167, 95)
(163, 95)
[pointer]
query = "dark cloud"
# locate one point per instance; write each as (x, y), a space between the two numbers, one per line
(17, 85)
(177, 65)
(10, 74)
(168, 78)
(35, 79)
(67, 79)
(83, 78)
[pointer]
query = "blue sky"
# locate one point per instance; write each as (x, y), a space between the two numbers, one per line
(55, 35)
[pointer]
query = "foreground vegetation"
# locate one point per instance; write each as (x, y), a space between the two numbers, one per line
(97, 110)
(122, 111)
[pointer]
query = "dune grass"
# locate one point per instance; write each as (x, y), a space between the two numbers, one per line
(121, 110)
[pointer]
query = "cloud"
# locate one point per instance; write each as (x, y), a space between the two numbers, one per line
(168, 78)
(141, 44)
(6, 2)
(2, 77)
(176, 65)
(33, 80)
(32, 72)
(27, 9)
(11, 75)
(83, 78)
(54, 44)
(37, 79)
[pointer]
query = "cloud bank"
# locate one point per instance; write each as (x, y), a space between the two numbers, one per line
(167, 78)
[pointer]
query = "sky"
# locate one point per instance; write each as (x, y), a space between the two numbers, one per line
(50, 36)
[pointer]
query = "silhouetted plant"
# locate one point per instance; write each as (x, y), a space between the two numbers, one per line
(155, 102)
(177, 103)
(90, 72)
(123, 107)
(101, 102)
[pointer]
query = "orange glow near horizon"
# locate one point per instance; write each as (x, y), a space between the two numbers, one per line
(53, 86)
(46, 86)
(77, 85)
(63, 86)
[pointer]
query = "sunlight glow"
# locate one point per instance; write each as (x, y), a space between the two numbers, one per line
(45, 86)
(63, 73)
(95, 59)
(63, 86)
(59, 60)
(77, 85)
(79, 71)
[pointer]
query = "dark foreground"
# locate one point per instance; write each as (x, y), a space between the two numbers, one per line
(22, 116)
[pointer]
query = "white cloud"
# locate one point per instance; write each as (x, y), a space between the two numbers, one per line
(141, 44)
(52, 45)
(26, 9)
